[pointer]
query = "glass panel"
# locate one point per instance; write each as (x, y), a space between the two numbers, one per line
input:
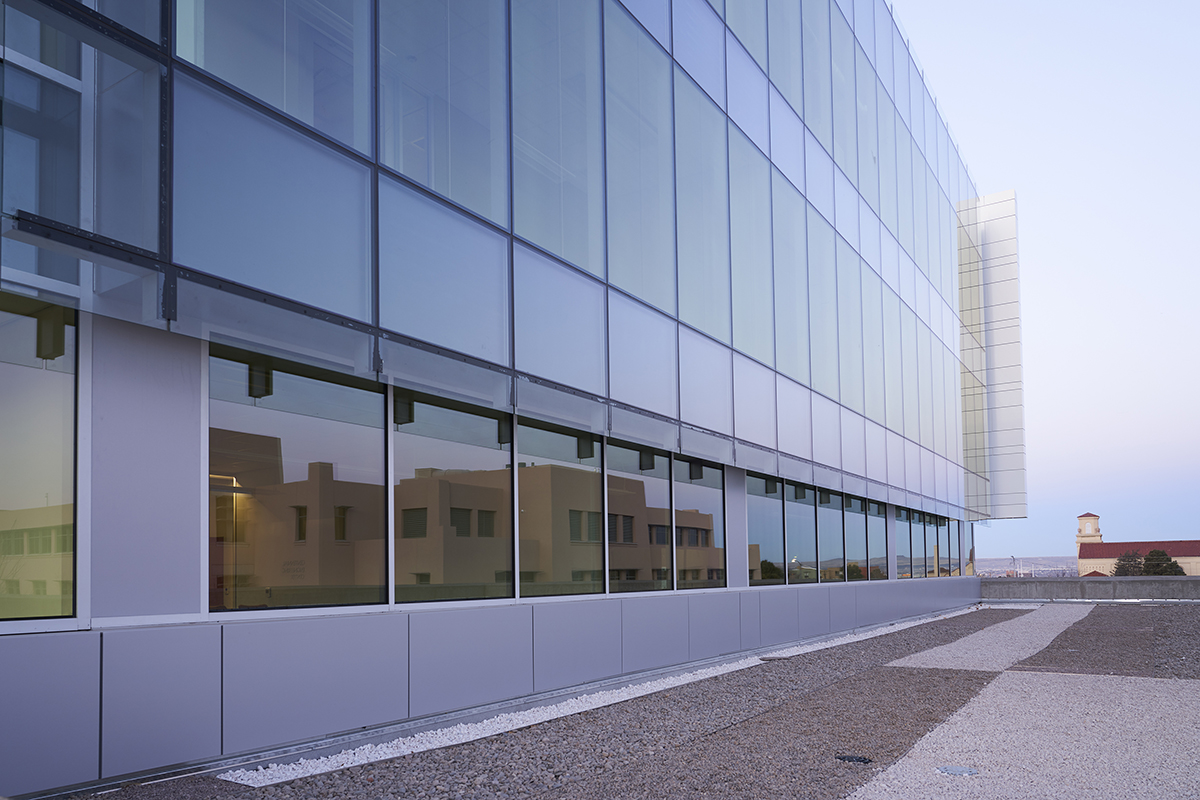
(285, 207)
(822, 304)
(443, 99)
(561, 502)
(845, 126)
(849, 317)
(970, 544)
(873, 359)
(558, 133)
(925, 383)
(904, 556)
(750, 240)
(703, 218)
(786, 66)
(856, 539)
(908, 330)
(443, 277)
(310, 58)
(919, 552)
(791, 279)
(296, 487)
(640, 162)
(699, 525)
(699, 46)
(877, 541)
(787, 139)
(830, 545)
(753, 402)
(639, 520)
(868, 127)
(764, 513)
(888, 210)
(559, 322)
(818, 91)
(641, 356)
(904, 186)
(655, 15)
(748, 94)
(893, 378)
(37, 438)
(748, 20)
(453, 499)
(800, 508)
(80, 136)
(705, 382)
(943, 537)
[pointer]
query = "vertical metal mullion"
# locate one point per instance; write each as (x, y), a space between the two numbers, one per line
(389, 471)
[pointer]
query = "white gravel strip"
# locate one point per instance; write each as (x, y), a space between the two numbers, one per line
(502, 723)
(998, 647)
(1052, 735)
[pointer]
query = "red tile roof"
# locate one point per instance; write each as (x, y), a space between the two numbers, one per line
(1094, 574)
(1081, 516)
(1180, 549)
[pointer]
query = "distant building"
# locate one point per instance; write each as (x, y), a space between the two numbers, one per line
(1098, 558)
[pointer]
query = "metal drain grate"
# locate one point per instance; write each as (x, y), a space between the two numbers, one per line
(854, 759)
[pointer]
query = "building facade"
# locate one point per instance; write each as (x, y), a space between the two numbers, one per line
(347, 347)
(1098, 557)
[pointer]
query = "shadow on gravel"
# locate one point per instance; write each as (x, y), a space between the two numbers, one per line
(1146, 641)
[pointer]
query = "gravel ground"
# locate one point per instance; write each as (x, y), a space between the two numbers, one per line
(998, 647)
(1081, 737)
(1150, 641)
(569, 754)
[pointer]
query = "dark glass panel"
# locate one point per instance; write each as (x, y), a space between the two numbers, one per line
(639, 519)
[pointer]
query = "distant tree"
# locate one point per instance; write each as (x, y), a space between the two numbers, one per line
(1130, 563)
(1159, 563)
(854, 572)
(770, 571)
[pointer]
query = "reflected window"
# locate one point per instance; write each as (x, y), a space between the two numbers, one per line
(80, 136)
(830, 544)
(37, 440)
(453, 492)
(877, 556)
(296, 476)
(639, 499)
(801, 518)
(561, 500)
(764, 519)
(309, 58)
(699, 524)
(855, 523)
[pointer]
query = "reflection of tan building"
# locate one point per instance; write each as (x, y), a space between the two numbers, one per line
(36, 561)
(321, 540)
(1100, 557)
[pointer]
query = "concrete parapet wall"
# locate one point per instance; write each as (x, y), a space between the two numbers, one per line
(1134, 588)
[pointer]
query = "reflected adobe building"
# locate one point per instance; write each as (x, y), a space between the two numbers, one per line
(351, 351)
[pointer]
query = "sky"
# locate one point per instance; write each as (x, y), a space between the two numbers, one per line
(1091, 112)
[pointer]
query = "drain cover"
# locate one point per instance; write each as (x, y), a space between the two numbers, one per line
(854, 759)
(957, 771)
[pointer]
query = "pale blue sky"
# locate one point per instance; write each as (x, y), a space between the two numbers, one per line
(1091, 112)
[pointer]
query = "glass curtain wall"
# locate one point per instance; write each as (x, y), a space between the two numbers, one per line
(639, 519)
(561, 502)
(37, 468)
(904, 551)
(453, 499)
(296, 505)
(699, 524)
(764, 517)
